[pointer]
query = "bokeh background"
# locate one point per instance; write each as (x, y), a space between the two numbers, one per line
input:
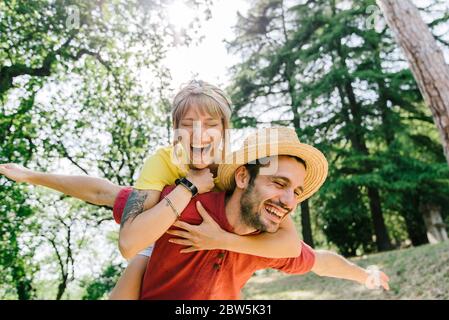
(86, 87)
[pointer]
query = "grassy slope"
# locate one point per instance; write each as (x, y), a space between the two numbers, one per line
(415, 273)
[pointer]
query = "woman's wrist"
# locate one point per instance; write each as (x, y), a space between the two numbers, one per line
(184, 191)
(228, 241)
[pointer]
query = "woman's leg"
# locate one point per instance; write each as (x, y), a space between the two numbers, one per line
(129, 283)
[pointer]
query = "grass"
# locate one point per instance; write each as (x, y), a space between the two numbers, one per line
(415, 273)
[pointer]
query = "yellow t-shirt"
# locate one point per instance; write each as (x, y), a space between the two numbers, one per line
(162, 169)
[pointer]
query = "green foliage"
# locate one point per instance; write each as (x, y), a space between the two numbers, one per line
(100, 287)
(17, 267)
(347, 223)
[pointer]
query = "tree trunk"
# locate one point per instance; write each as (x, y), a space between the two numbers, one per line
(425, 58)
(24, 288)
(305, 210)
(382, 238)
(359, 144)
(388, 123)
(61, 287)
(414, 221)
(305, 223)
(436, 229)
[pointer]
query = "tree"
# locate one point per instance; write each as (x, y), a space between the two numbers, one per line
(17, 270)
(320, 67)
(72, 89)
(292, 53)
(425, 58)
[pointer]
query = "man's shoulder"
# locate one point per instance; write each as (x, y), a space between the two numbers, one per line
(120, 203)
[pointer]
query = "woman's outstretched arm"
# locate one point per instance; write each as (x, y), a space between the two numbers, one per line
(90, 189)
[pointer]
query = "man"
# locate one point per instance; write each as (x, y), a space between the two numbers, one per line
(257, 203)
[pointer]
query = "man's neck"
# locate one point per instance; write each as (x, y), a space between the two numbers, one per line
(232, 211)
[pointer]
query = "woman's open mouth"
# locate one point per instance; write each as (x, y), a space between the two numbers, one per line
(201, 149)
(202, 154)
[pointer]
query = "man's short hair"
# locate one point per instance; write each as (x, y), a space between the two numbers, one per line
(254, 168)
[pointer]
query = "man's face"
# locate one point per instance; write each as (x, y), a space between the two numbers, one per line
(270, 198)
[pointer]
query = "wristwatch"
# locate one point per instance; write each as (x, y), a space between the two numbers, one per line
(188, 185)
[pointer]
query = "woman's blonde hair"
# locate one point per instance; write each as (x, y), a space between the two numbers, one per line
(204, 96)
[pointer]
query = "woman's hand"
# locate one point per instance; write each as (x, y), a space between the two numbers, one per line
(16, 172)
(202, 179)
(206, 236)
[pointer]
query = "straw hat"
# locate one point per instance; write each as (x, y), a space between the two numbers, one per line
(275, 142)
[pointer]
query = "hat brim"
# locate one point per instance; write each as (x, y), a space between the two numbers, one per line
(316, 164)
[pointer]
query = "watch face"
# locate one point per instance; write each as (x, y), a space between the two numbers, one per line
(189, 185)
(187, 182)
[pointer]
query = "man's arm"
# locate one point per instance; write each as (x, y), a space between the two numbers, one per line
(93, 190)
(330, 264)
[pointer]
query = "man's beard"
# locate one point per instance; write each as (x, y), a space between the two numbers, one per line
(248, 209)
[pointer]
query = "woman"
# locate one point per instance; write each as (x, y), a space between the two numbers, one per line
(201, 114)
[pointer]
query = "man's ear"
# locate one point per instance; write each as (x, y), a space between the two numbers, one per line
(241, 177)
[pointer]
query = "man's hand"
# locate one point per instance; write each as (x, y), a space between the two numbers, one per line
(376, 279)
(202, 179)
(206, 236)
(16, 172)
(330, 264)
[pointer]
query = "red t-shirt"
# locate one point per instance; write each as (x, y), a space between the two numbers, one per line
(206, 274)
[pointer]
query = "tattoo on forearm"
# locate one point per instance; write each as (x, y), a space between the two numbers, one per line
(134, 206)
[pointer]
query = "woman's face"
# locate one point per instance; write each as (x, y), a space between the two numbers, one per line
(201, 135)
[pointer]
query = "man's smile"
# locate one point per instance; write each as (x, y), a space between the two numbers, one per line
(275, 213)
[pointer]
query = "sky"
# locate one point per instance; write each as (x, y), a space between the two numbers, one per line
(210, 60)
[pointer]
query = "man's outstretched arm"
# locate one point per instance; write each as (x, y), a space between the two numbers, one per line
(90, 189)
(330, 264)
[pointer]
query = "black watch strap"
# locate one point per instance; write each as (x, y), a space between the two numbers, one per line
(187, 184)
